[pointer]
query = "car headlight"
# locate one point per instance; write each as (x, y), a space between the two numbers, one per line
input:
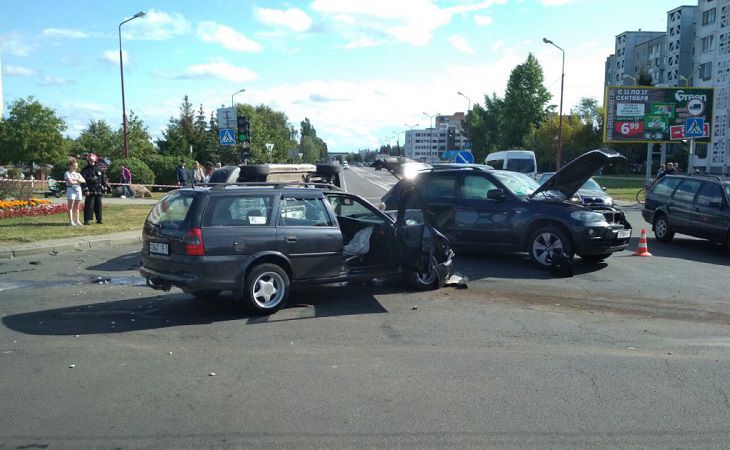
(608, 201)
(587, 216)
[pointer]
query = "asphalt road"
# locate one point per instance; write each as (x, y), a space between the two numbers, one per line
(632, 353)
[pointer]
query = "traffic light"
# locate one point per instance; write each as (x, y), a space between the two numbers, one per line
(244, 129)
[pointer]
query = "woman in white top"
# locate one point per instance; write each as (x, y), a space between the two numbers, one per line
(73, 192)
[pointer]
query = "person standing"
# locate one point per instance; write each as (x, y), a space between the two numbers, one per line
(198, 175)
(73, 192)
(182, 175)
(94, 186)
(126, 179)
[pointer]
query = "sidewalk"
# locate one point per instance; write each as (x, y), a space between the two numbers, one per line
(54, 246)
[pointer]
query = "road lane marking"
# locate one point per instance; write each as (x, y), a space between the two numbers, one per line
(385, 188)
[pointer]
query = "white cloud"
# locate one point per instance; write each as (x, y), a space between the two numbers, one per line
(292, 18)
(18, 71)
(64, 33)
(483, 21)
(461, 44)
(555, 2)
(112, 56)
(49, 80)
(219, 70)
(229, 38)
(497, 44)
(156, 26)
(16, 44)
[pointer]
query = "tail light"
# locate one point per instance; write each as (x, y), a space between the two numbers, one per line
(194, 243)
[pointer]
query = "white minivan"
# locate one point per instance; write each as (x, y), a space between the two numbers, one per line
(522, 161)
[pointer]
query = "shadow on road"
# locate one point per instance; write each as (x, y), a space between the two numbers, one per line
(476, 266)
(172, 310)
(688, 249)
(130, 261)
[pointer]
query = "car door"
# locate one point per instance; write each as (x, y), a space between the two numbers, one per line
(710, 216)
(306, 233)
(483, 221)
(681, 205)
(438, 192)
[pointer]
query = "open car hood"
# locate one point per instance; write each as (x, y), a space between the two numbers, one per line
(573, 175)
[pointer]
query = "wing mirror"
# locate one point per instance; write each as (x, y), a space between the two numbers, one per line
(604, 188)
(496, 194)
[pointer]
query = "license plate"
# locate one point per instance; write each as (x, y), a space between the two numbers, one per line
(622, 234)
(159, 249)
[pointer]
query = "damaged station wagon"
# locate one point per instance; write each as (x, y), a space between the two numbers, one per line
(499, 210)
(258, 239)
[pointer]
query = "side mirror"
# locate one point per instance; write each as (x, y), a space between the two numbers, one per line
(496, 194)
(604, 188)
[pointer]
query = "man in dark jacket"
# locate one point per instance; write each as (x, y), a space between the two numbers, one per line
(95, 186)
(182, 174)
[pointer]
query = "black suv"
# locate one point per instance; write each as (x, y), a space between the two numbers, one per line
(484, 209)
(693, 205)
(256, 238)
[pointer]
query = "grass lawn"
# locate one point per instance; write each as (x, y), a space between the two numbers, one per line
(31, 229)
(621, 188)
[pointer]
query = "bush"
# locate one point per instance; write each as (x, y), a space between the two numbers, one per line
(163, 167)
(141, 173)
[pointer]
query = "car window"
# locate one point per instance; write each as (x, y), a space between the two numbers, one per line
(727, 191)
(686, 190)
(591, 185)
(303, 212)
(544, 177)
(709, 193)
(476, 187)
(353, 208)
(171, 211)
(517, 183)
(520, 165)
(238, 211)
(496, 163)
(440, 186)
(666, 186)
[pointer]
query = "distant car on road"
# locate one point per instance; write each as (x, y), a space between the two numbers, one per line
(590, 193)
(694, 205)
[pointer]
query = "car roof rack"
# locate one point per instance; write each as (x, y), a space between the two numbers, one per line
(275, 185)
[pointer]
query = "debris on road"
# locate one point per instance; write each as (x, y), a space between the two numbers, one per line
(458, 281)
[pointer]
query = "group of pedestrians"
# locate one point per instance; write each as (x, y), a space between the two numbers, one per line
(668, 169)
(197, 175)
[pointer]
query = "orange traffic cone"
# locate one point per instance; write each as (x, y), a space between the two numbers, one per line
(642, 249)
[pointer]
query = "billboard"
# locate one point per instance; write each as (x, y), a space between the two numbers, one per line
(655, 114)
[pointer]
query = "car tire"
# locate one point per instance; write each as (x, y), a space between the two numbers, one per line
(662, 230)
(266, 288)
(424, 281)
(595, 258)
(327, 170)
(544, 242)
(256, 172)
(205, 294)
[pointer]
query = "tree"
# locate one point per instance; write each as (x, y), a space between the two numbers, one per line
(138, 137)
(524, 102)
(31, 133)
(98, 137)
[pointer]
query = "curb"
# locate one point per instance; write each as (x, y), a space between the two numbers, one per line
(53, 247)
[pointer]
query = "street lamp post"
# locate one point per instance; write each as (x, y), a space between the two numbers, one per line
(237, 92)
(636, 82)
(121, 70)
(467, 99)
(560, 117)
(686, 80)
(430, 136)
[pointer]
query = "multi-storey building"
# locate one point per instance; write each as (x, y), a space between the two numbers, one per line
(428, 144)
(694, 51)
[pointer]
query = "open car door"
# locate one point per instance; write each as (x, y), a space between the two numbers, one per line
(424, 253)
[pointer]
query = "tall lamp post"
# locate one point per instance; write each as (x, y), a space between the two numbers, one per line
(430, 136)
(686, 80)
(121, 70)
(237, 92)
(560, 118)
(467, 99)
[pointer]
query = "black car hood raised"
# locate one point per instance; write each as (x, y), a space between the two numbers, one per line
(573, 175)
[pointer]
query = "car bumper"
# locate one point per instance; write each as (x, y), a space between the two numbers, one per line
(601, 240)
(648, 215)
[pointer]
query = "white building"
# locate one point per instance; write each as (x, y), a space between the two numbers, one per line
(428, 143)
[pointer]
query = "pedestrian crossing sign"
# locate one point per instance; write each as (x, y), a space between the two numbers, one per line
(694, 127)
(227, 136)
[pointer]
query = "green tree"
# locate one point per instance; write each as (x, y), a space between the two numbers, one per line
(31, 133)
(524, 102)
(98, 137)
(138, 138)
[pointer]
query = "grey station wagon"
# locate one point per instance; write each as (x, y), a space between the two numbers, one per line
(257, 239)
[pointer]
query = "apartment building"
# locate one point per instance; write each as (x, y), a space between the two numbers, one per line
(694, 50)
(427, 144)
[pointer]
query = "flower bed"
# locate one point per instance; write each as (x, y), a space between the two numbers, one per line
(32, 207)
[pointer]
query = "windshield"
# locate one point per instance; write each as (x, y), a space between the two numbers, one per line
(171, 211)
(591, 185)
(521, 165)
(517, 183)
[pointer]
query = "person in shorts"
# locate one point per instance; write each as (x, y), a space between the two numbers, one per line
(73, 192)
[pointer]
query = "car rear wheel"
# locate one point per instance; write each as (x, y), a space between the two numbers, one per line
(427, 280)
(266, 288)
(546, 242)
(662, 231)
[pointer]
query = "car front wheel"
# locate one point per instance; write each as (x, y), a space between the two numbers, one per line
(266, 288)
(547, 242)
(427, 280)
(662, 231)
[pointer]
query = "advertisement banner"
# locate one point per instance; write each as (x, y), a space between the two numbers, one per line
(646, 114)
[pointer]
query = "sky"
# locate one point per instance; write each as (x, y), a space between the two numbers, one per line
(362, 71)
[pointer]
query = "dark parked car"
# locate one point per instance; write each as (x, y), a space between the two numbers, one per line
(693, 205)
(257, 239)
(591, 193)
(482, 209)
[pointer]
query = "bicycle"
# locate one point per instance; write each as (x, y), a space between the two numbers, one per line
(641, 195)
